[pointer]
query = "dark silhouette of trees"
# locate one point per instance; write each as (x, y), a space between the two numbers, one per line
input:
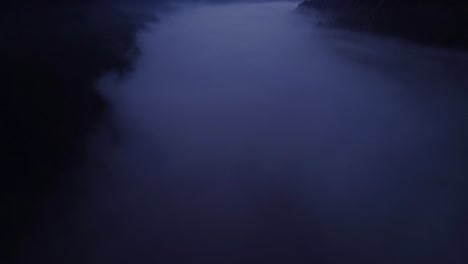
(52, 52)
(438, 22)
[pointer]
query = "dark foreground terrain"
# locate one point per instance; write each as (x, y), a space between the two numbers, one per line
(52, 53)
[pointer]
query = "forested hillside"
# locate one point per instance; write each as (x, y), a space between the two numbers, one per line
(52, 54)
(435, 22)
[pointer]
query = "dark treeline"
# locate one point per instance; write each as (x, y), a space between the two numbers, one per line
(435, 22)
(52, 52)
